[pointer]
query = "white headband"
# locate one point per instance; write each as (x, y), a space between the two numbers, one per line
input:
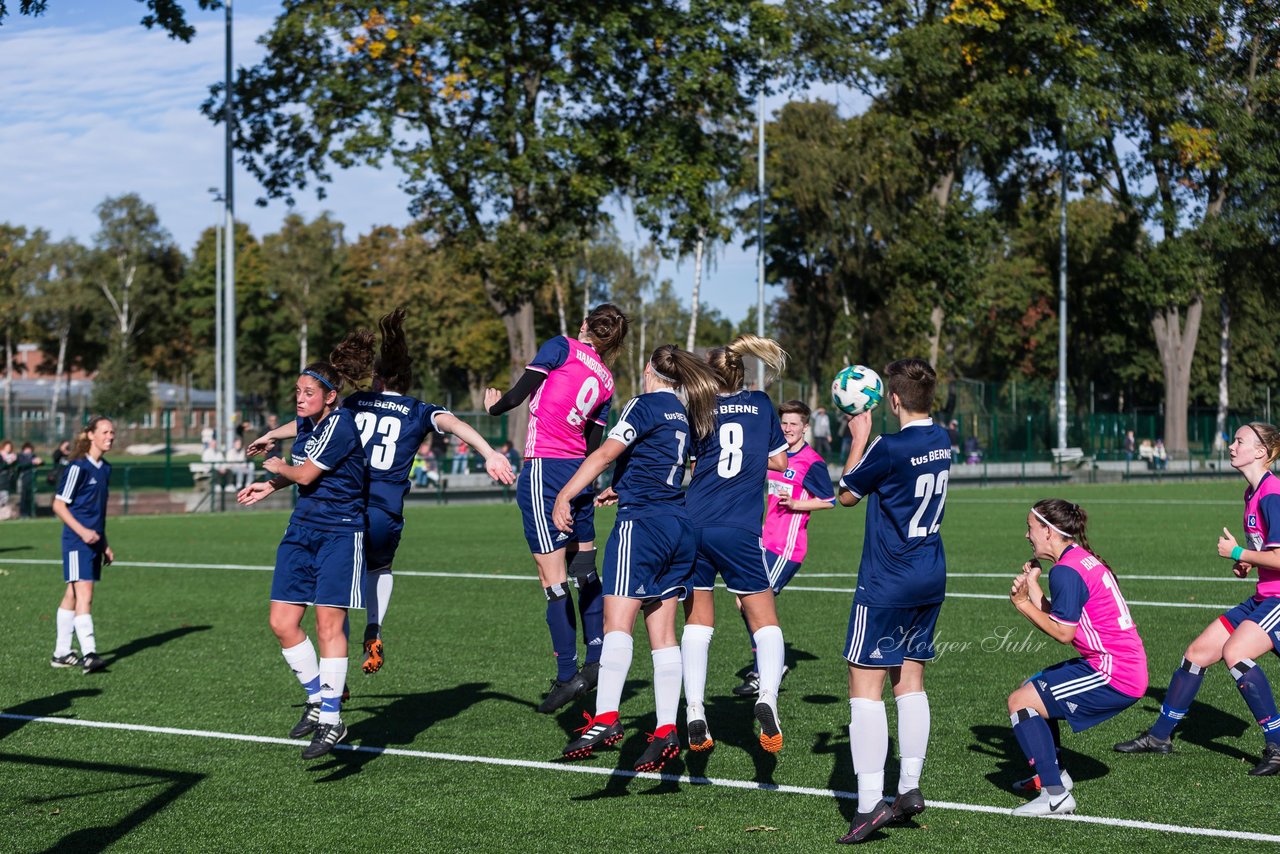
(1052, 526)
(660, 375)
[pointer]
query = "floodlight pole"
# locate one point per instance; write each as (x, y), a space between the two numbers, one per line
(229, 232)
(760, 215)
(217, 325)
(1062, 303)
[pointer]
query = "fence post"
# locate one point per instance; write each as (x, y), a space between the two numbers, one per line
(126, 491)
(168, 450)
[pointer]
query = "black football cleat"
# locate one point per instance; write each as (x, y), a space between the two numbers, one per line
(563, 693)
(1270, 763)
(323, 740)
(93, 663)
(1146, 743)
(591, 672)
(700, 740)
(866, 823)
(906, 806)
(68, 660)
(660, 749)
(310, 719)
(594, 734)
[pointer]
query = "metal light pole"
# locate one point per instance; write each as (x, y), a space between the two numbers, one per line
(760, 216)
(1062, 305)
(217, 325)
(229, 232)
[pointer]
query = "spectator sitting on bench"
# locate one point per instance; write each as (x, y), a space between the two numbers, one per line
(1147, 453)
(1159, 458)
(972, 451)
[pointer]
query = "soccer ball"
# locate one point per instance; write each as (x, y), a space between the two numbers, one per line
(856, 389)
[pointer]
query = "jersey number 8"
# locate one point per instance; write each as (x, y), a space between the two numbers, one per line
(383, 454)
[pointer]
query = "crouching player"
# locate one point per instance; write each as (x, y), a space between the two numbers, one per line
(649, 557)
(1088, 612)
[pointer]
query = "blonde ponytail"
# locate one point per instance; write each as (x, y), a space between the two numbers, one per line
(727, 360)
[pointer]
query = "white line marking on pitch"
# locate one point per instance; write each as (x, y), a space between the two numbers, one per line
(529, 578)
(618, 772)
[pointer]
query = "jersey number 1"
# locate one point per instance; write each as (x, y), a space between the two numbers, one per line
(383, 455)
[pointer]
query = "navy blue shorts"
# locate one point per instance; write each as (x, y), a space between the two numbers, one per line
(781, 570)
(383, 540)
(1073, 691)
(649, 558)
(81, 561)
(540, 481)
(885, 637)
(737, 555)
(1265, 613)
(315, 567)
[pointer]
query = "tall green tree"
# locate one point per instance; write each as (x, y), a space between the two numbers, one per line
(169, 15)
(304, 263)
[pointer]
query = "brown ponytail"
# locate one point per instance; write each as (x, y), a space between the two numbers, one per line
(727, 361)
(394, 366)
(607, 326)
(83, 442)
(1071, 520)
(698, 382)
(1268, 437)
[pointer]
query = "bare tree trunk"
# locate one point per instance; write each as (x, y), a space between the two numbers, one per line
(8, 383)
(697, 293)
(1224, 362)
(302, 345)
(559, 288)
(63, 334)
(1176, 344)
(936, 316)
(522, 347)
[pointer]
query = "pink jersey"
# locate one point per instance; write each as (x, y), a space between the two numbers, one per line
(1261, 513)
(577, 390)
(806, 477)
(1106, 636)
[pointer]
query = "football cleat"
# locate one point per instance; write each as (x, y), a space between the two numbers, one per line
(700, 736)
(563, 693)
(310, 719)
(93, 663)
(750, 685)
(323, 740)
(1031, 785)
(594, 734)
(372, 656)
(1047, 804)
(1146, 743)
(770, 732)
(1270, 763)
(68, 660)
(866, 823)
(591, 673)
(660, 749)
(906, 806)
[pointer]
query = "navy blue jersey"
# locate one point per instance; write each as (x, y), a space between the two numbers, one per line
(728, 485)
(649, 474)
(903, 479)
(391, 428)
(334, 501)
(83, 488)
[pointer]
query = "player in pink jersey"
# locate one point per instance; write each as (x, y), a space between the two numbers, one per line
(571, 388)
(803, 488)
(1087, 611)
(1248, 630)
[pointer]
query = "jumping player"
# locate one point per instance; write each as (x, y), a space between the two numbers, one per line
(321, 559)
(1245, 632)
(81, 504)
(571, 389)
(725, 503)
(805, 487)
(1087, 611)
(392, 425)
(901, 584)
(649, 556)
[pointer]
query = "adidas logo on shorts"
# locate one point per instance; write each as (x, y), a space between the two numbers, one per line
(875, 655)
(640, 590)
(1072, 706)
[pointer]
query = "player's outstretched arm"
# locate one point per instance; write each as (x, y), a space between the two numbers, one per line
(304, 473)
(268, 440)
(498, 466)
(592, 467)
(496, 403)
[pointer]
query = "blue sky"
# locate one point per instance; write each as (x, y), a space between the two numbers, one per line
(94, 105)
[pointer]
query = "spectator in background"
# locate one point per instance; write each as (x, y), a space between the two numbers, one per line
(8, 475)
(272, 423)
(61, 458)
(821, 430)
(972, 451)
(27, 464)
(513, 456)
(1129, 446)
(953, 433)
(1159, 456)
(845, 439)
(460, 453)
(424, 469)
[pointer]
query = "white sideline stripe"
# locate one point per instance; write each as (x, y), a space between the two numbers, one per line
(487, 577)
(617, 772)
(1192, 502)
(1013, 572)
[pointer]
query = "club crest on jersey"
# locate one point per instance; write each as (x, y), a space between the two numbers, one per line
(1252, 521)
(789, 474)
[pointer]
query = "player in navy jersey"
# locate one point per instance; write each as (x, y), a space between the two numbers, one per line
(569, 388)
(392, 425)
(902, 579)
(1250, 629)
(321, 559)
(1088, 612)
(81, 504)
(726, 504)
(649, 556)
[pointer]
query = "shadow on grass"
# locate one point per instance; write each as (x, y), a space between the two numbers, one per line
(41, 708)
(1205, 726)
(998, 742)
(15, 549)
(143, 644)
(92, 839)
(398, 722)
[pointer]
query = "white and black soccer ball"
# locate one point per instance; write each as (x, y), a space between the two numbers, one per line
(856, 389)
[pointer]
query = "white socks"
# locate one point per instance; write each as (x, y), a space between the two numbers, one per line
(302, 660)
(66, 626)
(84, 633)
(770, 654)
(913, 738)
(377, 594)
(869, 746)
(333, 676)
(695, 645)
(615, 661)
(666, 684)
